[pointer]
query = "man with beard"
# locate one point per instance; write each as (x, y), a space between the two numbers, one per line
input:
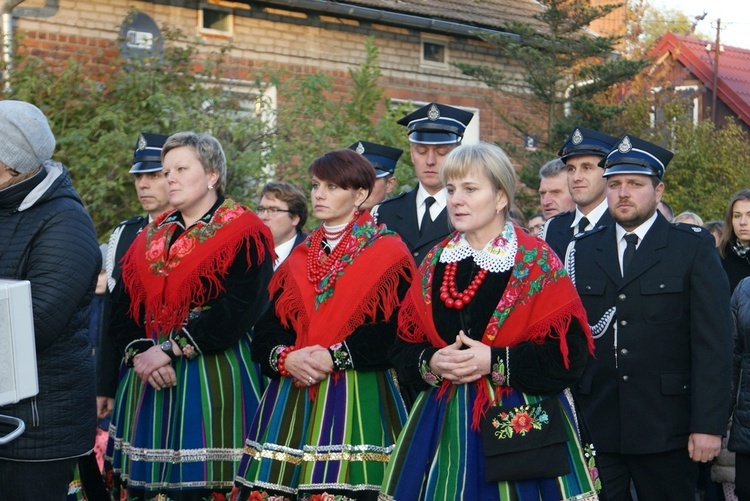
(581, 154)
(656, 395)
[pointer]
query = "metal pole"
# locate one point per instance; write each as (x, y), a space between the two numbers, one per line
(717, 51)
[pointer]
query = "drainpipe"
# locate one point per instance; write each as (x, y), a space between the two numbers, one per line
(6, 18)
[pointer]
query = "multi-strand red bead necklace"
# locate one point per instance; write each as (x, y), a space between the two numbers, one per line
(448, 293)
(317, 267)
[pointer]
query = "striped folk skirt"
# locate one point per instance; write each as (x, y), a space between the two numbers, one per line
(334, 438)
(188, 437)
(440, 457)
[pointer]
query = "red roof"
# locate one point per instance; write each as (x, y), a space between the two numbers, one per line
(734, 69)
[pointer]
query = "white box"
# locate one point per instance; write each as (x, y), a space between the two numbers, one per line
(18, 375)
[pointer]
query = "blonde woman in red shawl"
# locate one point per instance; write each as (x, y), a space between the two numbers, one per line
(193, 284)
(330, 417)
(494, 332)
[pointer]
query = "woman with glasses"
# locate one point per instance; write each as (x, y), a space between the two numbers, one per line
(329, 419)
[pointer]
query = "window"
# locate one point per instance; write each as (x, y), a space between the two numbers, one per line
(215, 20)
(434, 53)
(687, 96)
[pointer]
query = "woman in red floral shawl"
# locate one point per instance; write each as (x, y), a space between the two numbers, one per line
(329, 419)
(494, 333)
(194, 283)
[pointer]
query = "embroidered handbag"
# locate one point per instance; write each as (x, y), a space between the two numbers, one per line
(525, 442)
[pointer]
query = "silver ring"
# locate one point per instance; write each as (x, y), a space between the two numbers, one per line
(309, 379)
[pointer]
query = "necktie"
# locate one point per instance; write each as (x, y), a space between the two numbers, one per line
(582, 224)
(426, 217)
(627, 257)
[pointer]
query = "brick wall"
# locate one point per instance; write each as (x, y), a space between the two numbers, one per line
(301, 43)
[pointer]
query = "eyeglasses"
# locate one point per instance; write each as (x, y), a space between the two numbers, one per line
(271, 210)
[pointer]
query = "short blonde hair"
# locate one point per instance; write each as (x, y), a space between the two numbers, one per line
(208, 150)
(486, 159)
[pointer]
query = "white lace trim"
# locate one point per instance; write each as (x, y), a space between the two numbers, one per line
(498, 255)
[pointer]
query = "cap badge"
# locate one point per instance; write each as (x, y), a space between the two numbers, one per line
(625, 145)
(360, 148)
(434, 113)
(142, 143)
(577, 137)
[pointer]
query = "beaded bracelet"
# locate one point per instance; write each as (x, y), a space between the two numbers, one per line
(282, 360)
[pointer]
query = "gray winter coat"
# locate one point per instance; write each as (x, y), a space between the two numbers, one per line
(48, 238)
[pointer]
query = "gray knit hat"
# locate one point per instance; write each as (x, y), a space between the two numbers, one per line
(26, 141)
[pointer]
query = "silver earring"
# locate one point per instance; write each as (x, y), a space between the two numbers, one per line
(210, 186)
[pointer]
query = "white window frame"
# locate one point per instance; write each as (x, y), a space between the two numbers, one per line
(434, 64)
(218, 8)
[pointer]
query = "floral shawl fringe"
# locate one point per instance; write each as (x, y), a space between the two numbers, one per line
(165, 281)
(538, 303)
(375, 261)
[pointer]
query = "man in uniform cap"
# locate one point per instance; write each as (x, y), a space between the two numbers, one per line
(419, 216)
(384, 159)
(658, 392)
(151, 188)
(581, 153)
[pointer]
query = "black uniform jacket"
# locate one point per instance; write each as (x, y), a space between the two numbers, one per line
(399, 214)
(559, 233)
(667, 370)
(108, 358)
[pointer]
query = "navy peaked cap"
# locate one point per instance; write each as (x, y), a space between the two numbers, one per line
(633, 155)
(437, 124)
(583, 141)
(383, 158)
(147, 154)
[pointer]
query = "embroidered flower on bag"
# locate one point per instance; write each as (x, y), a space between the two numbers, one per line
(520, 420)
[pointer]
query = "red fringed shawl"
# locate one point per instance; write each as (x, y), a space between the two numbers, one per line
(163, 281)
(373, 264)
(538, 303)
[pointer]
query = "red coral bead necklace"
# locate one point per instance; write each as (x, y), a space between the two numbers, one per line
(319, 266)
(452, 297)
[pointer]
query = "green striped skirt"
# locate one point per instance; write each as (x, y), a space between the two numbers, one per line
(190, 436)
(440, 457)
(336, 437)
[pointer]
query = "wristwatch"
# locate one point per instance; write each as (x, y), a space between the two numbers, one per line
(166, 347)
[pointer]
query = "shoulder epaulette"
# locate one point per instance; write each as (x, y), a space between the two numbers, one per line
(560, 214)
(397, 197)
(132, 220)
(595, 229)
(690, 228)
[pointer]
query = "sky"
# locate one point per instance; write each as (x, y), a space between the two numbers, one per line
(734, 15)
